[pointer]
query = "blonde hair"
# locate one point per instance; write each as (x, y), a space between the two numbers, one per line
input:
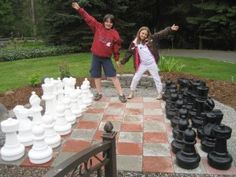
(138, 40)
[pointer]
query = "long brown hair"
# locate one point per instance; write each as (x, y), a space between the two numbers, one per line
(139, 31)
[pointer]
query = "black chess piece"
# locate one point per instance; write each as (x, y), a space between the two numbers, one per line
(177, 144)
(188, 158)
(208, 141)
(219, 158)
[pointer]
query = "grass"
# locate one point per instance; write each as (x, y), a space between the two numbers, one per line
(15, 74)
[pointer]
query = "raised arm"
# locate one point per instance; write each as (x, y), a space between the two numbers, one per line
(165, 32)
(90, 20)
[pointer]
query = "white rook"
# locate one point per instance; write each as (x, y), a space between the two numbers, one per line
(12, 149)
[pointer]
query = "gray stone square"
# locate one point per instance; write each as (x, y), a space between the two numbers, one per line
(83, 134)
(129, 163)
(134, 105)
(92, 117)
(153, 112)
(133, 118)
(131, 137)
(156, 149)
(114, 111)
(154, 126)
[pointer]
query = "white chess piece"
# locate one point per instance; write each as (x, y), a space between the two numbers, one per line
(12, 149)
(62, 126)
(52, 138)
(87, 83)
(40, 152)
(80, 103)
(49, 96)
(85, 95)
(25, 135)
(75, 109)
(70, 117)
(35, 109)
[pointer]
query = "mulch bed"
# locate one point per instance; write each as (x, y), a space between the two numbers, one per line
(224, 92)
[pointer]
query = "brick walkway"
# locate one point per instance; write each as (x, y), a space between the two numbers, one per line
(143, 139)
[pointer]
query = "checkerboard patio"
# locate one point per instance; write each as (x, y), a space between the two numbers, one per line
(143, 139)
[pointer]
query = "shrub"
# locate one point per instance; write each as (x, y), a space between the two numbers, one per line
(170, 64)
(27, 53)
(64, 70)
(34, 79)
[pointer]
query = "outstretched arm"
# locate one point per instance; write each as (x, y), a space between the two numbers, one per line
(90, 20)
(165, 32)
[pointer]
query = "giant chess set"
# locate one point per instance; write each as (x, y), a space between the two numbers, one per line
(40, 127)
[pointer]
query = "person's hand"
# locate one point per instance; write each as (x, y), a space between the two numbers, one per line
(118, 64)
(174, 27)
(75, 5)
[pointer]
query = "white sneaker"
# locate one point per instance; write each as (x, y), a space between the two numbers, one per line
(159, 96)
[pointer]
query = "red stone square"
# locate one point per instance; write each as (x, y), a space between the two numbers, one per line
(131, 127)
(75, 145)
(87, 124)
(129, 149)
(95, 110)
(130, 111)
(154, 118)
(158, 164)
(150, 105)
(112, 118)
(155, 137)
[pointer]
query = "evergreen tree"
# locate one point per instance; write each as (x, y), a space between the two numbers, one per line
(66, 27)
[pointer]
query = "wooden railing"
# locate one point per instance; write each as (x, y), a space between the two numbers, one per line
(91, 160)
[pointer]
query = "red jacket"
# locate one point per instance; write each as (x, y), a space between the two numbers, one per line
(105, 42)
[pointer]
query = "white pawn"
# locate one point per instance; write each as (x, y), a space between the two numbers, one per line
(52, 138)
(40, 152)
(70, 117)
(85, 95)
(80, 103)
(62, 126)
(76, 110)
(25, 135)
(87, 83)
(35, 109)
(12, 149)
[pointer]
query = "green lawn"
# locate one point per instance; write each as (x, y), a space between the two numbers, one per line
(16, 73)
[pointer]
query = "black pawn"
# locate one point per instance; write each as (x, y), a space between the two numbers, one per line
(177, 144)
(219, 158)
(188, 158)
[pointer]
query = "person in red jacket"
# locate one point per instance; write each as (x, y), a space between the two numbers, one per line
(106, 42)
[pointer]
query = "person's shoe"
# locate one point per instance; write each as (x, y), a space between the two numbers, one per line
(122, 98)
(97, 96)
(159, 96)
(131, 95)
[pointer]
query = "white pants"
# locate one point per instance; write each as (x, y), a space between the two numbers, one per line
(152, 68)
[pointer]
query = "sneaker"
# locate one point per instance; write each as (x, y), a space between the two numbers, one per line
(131, 95)
(98, 96)
(159, 96)
(122, 98)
